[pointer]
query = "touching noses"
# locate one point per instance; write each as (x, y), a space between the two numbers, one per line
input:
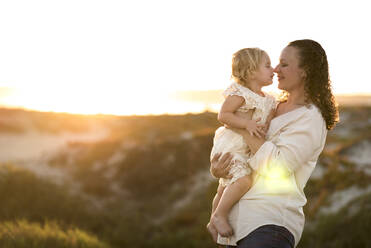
(276, 69)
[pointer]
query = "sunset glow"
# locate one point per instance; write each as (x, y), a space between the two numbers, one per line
(138, 58)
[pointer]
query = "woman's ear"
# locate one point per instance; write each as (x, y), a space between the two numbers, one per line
(303, 74)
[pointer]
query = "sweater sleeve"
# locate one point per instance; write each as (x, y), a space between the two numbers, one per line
(296, 144)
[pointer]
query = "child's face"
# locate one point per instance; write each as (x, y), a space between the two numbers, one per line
(264, 74)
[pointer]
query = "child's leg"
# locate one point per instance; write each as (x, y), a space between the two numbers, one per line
(216, 200)
(231, 195)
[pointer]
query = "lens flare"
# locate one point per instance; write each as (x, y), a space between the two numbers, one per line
(278, 179)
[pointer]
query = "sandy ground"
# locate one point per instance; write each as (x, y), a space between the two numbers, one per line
(343, 197)
(34, 145)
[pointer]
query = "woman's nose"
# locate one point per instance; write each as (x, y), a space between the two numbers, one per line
(275, 69)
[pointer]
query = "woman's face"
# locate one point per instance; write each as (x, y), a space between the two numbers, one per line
(290, 76)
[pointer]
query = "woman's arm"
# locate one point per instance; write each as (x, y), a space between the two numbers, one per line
(296, 144)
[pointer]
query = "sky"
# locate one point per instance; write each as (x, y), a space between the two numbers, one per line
(144, 57)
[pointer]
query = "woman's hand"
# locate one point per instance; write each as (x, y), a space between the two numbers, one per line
(220, 167)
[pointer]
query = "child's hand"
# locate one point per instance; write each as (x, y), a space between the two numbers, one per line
(255, 129)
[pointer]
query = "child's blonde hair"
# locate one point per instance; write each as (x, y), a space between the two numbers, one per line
(244, 63)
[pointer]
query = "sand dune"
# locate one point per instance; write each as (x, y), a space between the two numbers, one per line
(33, 144)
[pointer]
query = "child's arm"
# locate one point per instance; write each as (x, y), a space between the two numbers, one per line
(227, 116)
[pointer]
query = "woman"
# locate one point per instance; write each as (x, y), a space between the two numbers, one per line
(271, 214)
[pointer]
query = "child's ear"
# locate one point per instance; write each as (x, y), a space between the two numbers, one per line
(252, 75)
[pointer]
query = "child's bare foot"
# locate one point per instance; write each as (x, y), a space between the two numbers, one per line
(221, 225)
(212, 231)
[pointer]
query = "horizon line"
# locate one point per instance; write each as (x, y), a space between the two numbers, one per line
(206, 109)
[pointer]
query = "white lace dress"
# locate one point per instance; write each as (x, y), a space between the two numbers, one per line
(226, 140)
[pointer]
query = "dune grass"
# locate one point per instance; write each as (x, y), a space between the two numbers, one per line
(23, 234)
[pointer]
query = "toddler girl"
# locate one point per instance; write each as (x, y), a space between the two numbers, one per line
(245, 106)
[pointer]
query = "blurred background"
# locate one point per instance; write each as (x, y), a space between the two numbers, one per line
(108, 111)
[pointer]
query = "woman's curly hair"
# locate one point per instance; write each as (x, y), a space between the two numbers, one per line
(317, 86)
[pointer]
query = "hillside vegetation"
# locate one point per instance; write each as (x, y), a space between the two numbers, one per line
(146, 183)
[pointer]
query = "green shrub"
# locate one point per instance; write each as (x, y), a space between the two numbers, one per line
(348, 228)
(22, 234)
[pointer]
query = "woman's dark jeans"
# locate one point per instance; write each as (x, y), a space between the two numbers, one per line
(267, 236)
